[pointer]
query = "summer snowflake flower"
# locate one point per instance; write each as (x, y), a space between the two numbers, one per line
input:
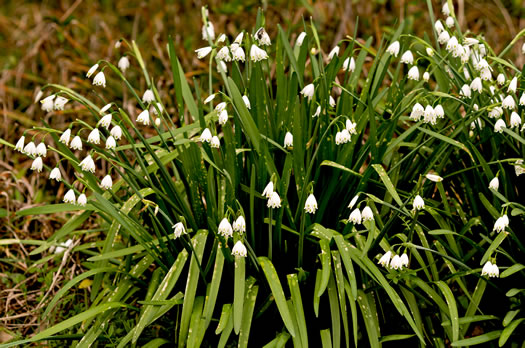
(41, 150)
(268, 190)
(518, 169)
(429, 116)
(300, 39)
(522, 99)
(106, 182)
(452, 44)
(116, 132)
(418, 203)
(445, 9)
(439, 111)
(449, 22)
(209, 99)
(203, 52)
(92, 70)
(407, 57)
(94, 136)
(333, 52)
(434, 177)
(494, 184)
(443, 37)
(486, 75)
(353, 201)
(238, 39)
(82, 200)
(501, 223)
(20, 144)
(426, 76)
(465, 91)
(490, 269)
(318, 111)
(404, 260)
(105, 121)
(30, 149)
(246, 101)
(393, 49)
(206, 136)
(385, 259)
(417, 112)
(396, 263)
(523, 49)
(100, 79)
(355, 216)
(178, 229)
(105, 108)
(220, 107)
(223, 117)
(470, 41)
(331, 102)
(351, 127)
(148, 97)
(288, 139)
(239, 225)
(60, 102)
(224, 54)
(430, 51)
(439, 27)
(513, 85)
(143, 118)
(76, 143)
(123, 64)
(349, 64)
(257, 54)
(508, 102)
(87, 164)
(498, 127)
(311, 204)
(500, 79)
(262, 36)
(476, 85)
(221, 38)
(515, 120)
(239, 250)
(37, 164)
(208, 32)
(215, 142)
(367, 214)
(69, 197)
(225, 228)
(238, 53)
(308, 91)
(111, 143)
(413, 73)
(274, 201)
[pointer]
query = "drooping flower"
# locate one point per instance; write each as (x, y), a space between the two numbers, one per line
(288, 139)
(208, 31)
(144, 118)
(223, 117)
(178, 229)
(105, 108)
(396, 263)
(445, 9)
(105, 121)
(476, 85)
(106, 182)
(87, 164)
(499, 126)
(385, 259)
(508, 102)
(257, 54)
(367, 214)
(439, 111)
(37, 164)
(116, 132)
(393, 49)
(434, 177)
(439, 27)
(148, 97)
(333, 52)
(76, 143)
(300, 39)
(513, 85)
(490, 269)
(426, 76)
(449, 22)
(215, 142)
(311, 204)
(515, 120)
(246, 101)
(500, 79)
(413, 73)
(518, 168)
(351, 127)
(92, 70)
(355, 216)
(417, 112)
(209, 99)
(501, 223)
(203, 52)
(465, 91)
(331, 101)
(429, 116)
(94, 136)
(268, 190)
(407, 57)
(494, 184)
(20, 144)
(452, 44)
(522, 99)
(82, 200)
(225, 228)
(238, 54)
(224, 54)
(353, 201)
(262, 36)
(239, 225)
(349, 64)
(404, 260)
(418, 203)
(69, 197)
(41, 150)
(318, 111)
(274, 201)
(100, 79)
(220, 107)
(222, 38)
(239, 38)
(308, 91)
(55, 174)
(222, 67)
(60, 102)
(430, 51)
(123, 64)
(239, 250)
(63, 246)
(206, 136)
(111, 143)
(30, 149)
(443, 37)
